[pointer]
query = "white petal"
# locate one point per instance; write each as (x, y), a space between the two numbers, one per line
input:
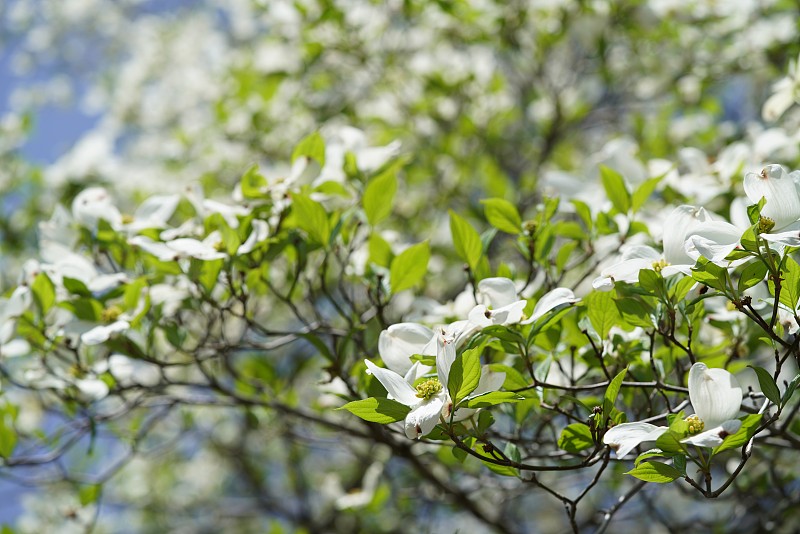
(395, 384)
(92, 389)
(551, 300)
(481, 316)
(421, 420)
(640, 252)
(628, 270)
(490, 381)
(159, 250)
(154, 212)
(625, 437)
(776, 105)
(790, 238)
(186, 246)
(99, 334)
(258, 233)
(510, 314)
(499, 291)
(400, 341)
(715, 394)
(713, 240)
(603, 283)
(783, 202)
(715, 436)
(445, 356)
(678, 225)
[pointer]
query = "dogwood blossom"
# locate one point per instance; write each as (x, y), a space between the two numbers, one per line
(716, 397)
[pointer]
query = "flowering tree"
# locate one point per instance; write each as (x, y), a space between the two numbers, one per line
(566, 299)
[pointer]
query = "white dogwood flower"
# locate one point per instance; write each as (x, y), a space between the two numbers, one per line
(779, 216)
(784, 94)
(716, 397)
(681, 223)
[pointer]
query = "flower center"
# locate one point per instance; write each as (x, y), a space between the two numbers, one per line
(659, 265)
(696, 425)
(111, 314)
(127, 219)
(428, 388)
(765, 224)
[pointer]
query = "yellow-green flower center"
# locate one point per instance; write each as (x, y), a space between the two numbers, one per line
(111, 314)
(428, 388)
(659, 265)
(765, 224)
(127, 219)
(696, 425)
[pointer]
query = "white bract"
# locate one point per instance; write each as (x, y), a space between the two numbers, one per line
(716, 397)
(779, 216)
(430, 400)
(784, 94)
(682, 222)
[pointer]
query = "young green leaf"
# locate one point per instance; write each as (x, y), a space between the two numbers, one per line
(746, 431)
(503, 215)
(375, 410)
(613, 391)
(409, 267)
(465, 374)
(313, 147)
(752, 274)
(768, 386)
(575, 437)
(312, 218)
(44, 292)
(602, 311)
(658, 472)
(616, 190)
(378, 197)
(466, 240)
(490, 399)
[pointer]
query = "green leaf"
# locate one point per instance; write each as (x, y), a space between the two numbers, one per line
(502, 470)
(635, 312)
(253, 183)
(89, 494)
(710, 274)
(380, 252)
(378, 197)
(383, 411)
(658, 472)
(76, 287)
(752, 274)
(584, 212)
(464, 374)
(790, 389)
(747, 430)
(790, 287)
(670, 442)
(44, 292)
(575, 437)
(312, 218)
(768, 386)
(409, 267)
(312, 146)
(613, 391)
(8, 434)
(602, 311)
(644, 191)
(466, 240)
(503, 215)
(679, 290)
(615, 188)
(491, 399)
